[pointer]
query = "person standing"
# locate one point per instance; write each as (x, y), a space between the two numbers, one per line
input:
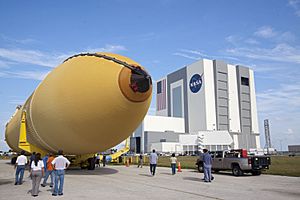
(37, 172)
(140, 161)
(98, 160)
(173, 160)
(207, 163)
(49, 172)
(104, 160)
(20, 165)
(153, 162)
(45, 158)
(32, 157)
(59, 163)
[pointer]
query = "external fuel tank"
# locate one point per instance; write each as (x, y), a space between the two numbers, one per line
(89, 103)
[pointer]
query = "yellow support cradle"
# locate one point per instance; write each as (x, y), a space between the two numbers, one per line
(23, 143)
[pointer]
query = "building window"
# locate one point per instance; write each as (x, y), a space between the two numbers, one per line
(245, 81)
(159, 87)
(177, 102)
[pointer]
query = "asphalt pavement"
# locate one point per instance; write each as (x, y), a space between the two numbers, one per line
(120, 182)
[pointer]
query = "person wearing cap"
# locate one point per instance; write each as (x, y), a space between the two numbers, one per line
(207, 163)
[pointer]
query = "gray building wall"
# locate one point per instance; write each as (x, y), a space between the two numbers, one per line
(294, 148)
(246, 139)
(154, 137)
(195, 105)
(172, 78)
(221, 94)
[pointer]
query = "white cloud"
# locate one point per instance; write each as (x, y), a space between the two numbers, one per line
(295, 4)
(265, 32)
(251, 41)
(194, 52)
(107, 48)
(4, 64)
(17, 41)
(282, 107)
(286, 37)
(39, 58)
(290, 131)
(186, 56)
(48, 59)
(191, 54)
(281, 52)
(234, 39)
(16, 102)
(29, 56)
(34, 75)
(285, 99)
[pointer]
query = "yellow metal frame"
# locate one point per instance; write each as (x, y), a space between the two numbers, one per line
(23, 143)
(115, 156)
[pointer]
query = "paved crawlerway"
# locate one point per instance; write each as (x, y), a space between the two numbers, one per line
(119, 182)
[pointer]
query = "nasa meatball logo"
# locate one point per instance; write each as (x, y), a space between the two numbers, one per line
(195, 83)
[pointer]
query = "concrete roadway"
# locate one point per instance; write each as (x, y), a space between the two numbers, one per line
(120, 182)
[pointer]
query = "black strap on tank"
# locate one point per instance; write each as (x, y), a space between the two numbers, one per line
(140, 79)
(135, 69)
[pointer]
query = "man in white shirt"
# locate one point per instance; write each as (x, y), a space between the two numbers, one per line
(20, 165)
(153, 162)
(59, 163)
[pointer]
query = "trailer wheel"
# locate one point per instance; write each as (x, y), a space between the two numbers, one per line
(256, 173)
(236, 170)
(13, 160)
(200, 168)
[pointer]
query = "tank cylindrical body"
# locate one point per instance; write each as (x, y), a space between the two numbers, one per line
(85, 105)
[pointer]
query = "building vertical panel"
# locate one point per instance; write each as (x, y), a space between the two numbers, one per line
(196, 101)
(257, 140)
(235, 141)
(221, 93)
(246, 139)
(172, 78)
(254, 119)
(177, 99)
(209, 91)
(234, 112)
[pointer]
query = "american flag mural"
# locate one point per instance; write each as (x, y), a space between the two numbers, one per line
(161, 102)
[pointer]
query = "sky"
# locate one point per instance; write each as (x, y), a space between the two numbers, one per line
(163, 36)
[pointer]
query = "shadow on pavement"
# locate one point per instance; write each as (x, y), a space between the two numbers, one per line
(193, 179)
(228, 173)
(166, 173)
(97, 171)
(148, 175)
(6, 181)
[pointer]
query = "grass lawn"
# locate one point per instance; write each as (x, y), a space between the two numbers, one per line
(284, 165)
(280, 165)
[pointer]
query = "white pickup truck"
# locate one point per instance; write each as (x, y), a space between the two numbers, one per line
(236, 160)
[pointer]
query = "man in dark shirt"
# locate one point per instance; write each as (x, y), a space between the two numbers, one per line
(207, 162)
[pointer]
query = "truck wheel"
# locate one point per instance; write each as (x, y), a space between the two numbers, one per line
(236, 170)
(200, 168)
(256, 173)
(13, 160)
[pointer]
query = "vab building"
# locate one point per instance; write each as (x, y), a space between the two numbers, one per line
(212, 95)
